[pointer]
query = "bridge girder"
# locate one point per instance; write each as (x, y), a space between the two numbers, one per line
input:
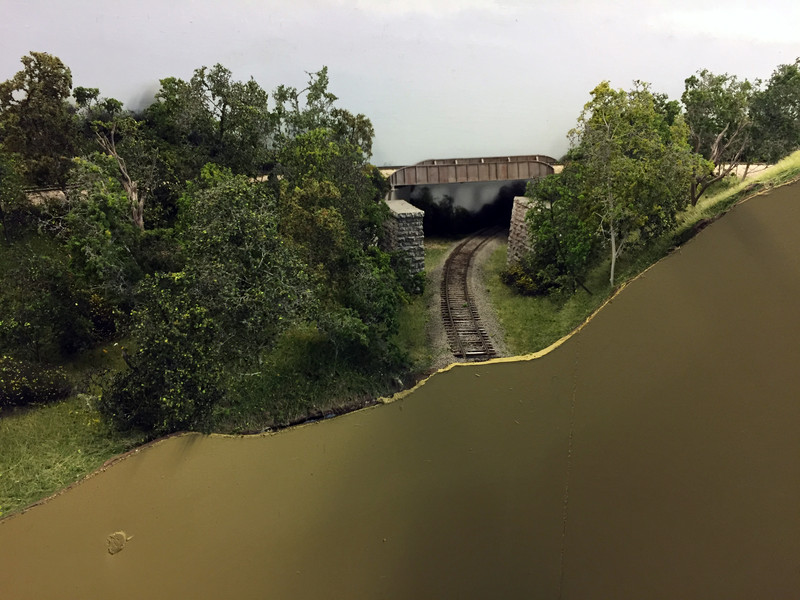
(465, 170)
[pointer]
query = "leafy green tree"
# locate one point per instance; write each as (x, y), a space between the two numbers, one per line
(92, 109)
(36, 120)
(776, 114)
(205, 325)
(12, 198)
(43, 315)
(636, 171)
(175, 377)
(100, 237)
(562, 228)
(214, 118)
(301, 111)
(718, 116)
(332, 211)
(120, 136)
(239, 267)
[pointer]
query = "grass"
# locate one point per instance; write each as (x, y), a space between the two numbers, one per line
(413, 322)
(43, 449)
(533, 323)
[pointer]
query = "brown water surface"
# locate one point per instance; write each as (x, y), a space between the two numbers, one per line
(652, 455)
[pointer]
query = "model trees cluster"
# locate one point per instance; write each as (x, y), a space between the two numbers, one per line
(637, 159)
(208, 229)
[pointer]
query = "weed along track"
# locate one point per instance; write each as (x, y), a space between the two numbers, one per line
(467, 338)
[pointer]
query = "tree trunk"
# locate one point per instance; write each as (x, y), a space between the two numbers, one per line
(613, 233)
(136, 203)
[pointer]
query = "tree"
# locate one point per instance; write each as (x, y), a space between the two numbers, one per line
(120, 136)
(12, 197)
(42, 313)
(299, 112)
(36, 121)
(175, 377)
(636, 170)
(214, 118)
(202, 327)
(238, 266)
(717, 113)
(100, 237)
(562, 229)
(776, 114)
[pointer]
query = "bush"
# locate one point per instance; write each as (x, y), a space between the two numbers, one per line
(175, 375)
(42, 314)
(24, 382)
(526, 281)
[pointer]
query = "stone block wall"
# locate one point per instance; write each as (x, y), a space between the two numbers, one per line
(518, 243)
(404, 232)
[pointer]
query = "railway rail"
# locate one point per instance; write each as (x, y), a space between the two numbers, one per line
(467, 337)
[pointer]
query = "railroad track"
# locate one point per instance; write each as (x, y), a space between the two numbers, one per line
(467, 337)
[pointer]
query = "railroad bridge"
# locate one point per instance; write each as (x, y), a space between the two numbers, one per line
(404, 229)
(472, 170)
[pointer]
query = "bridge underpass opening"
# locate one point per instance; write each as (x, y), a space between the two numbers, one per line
(466, 194)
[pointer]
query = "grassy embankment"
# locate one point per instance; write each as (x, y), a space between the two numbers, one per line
(413, 333)
(45, 448)
(532, 324)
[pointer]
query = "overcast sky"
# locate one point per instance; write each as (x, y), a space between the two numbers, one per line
(438, 78)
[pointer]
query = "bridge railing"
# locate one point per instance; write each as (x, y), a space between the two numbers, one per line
(488, 159)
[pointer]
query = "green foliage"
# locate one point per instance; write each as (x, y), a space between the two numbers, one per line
(175, 376)
(629, 173)
(717, 114)
(23, 382)
(14, 207)
(227, 263)
(237, 264)
(240, 287)
(35, 119)
(100, 237)
(562, 227)
(213, 118)
(332, 212)
(42, 313)
(637, 171)
(775, 112)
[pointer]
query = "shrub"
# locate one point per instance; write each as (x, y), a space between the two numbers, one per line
(175, 374)
(23, 382)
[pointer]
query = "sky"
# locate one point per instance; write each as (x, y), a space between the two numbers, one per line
(437, 78)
